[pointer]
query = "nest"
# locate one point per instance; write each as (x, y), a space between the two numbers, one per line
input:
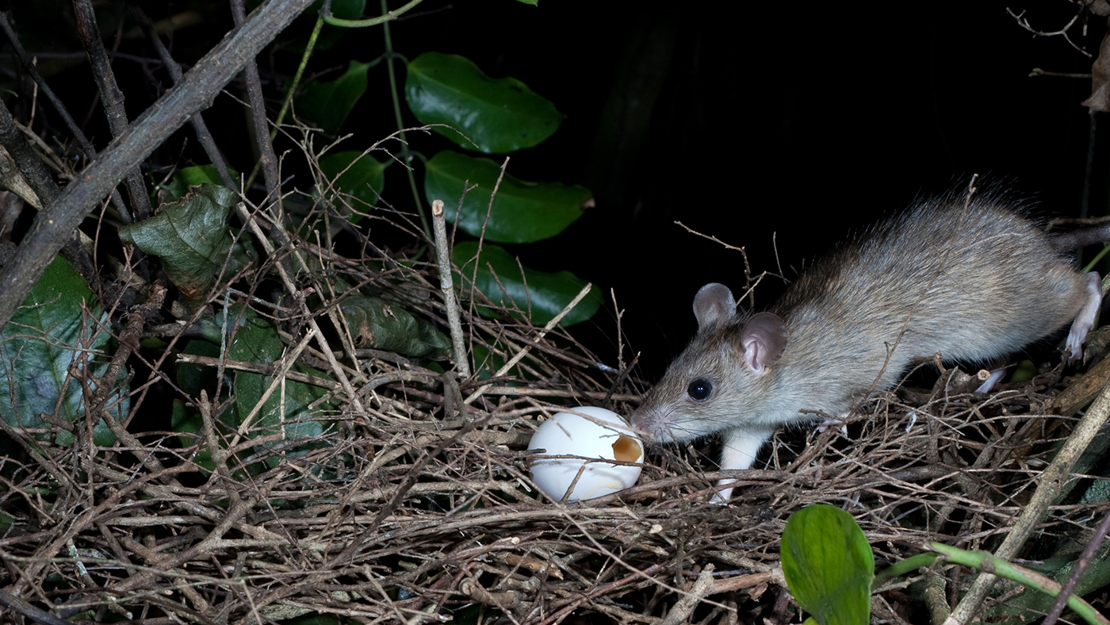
(411, 502)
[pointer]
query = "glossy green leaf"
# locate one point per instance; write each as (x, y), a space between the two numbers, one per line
(354, 174)
(545, 296)
(378, 324)
(329, 103)
(498, 115)
(192, 238)
(47, 336)
(523, 212)
(185, 178)
(257, 341)
(828, 565)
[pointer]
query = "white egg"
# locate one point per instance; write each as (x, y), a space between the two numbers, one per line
(600, 434)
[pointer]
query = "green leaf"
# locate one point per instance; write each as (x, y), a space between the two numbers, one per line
(257, 341)
(357, 175)
(388, 327)
(523, 212)
(329, 103)
(828, 565)
(499, 116)
(187, 177)
(46, 337)
(545, 296)
(191, 237)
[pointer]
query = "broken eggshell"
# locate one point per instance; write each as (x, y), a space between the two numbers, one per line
(599, 434)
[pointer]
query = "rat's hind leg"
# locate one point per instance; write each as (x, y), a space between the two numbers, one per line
(1084, 319)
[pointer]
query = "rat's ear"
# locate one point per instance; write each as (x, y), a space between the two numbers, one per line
(763, 339)
(713, 301)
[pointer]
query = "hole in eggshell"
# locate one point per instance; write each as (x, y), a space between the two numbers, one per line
(626, 449)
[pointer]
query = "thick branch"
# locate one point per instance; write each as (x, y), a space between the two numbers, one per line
(201, 85)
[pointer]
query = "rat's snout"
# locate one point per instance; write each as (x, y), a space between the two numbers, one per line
(653, 424)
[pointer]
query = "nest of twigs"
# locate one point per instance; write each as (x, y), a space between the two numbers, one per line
(413, 502)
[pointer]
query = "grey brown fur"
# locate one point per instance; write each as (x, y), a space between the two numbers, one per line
(975, 280)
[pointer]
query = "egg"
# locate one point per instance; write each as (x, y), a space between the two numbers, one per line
(600, 434)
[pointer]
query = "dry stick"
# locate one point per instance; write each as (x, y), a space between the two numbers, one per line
(527, 348)
(521, 391)
(1080, 567)
(684, 609)
(261, 126)
(292, 288)
(90, 152)
(287, 363)
(41, 181)
(111, 97)
(1052, 480)
(263, 368)
(55, 225)
(447, 288)
(28, 163)
(204, 137)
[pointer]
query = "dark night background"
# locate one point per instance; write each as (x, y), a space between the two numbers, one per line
(744, 121)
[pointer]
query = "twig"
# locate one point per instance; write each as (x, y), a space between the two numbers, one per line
(197, 121)
(287, 280)
(1064, 597)
(269, 369)
(447, 289)
(279, 380)
(985, 561)
(40, 83)
(527, 348)
(524, 391)
(112, 99)
(1052, 480)
(372, 21)
(683, 610)
(53, 227)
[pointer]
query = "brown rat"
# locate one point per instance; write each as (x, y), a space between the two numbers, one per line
(973, 279)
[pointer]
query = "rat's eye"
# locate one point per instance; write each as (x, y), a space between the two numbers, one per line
(700, 389)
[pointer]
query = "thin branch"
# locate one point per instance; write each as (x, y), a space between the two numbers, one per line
(447, 289)
(1048, 487)
(527, 348)
(195, 93)
(197, 121)
(112, 99)
(29, 66)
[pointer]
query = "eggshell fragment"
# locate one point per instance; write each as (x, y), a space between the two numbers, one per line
(599, 434)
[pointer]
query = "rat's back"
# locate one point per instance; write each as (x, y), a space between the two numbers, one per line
(970, 280)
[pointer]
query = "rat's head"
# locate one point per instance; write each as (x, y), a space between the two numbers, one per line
(720, 377)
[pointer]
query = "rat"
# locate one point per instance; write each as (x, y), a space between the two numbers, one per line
(969, 275)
